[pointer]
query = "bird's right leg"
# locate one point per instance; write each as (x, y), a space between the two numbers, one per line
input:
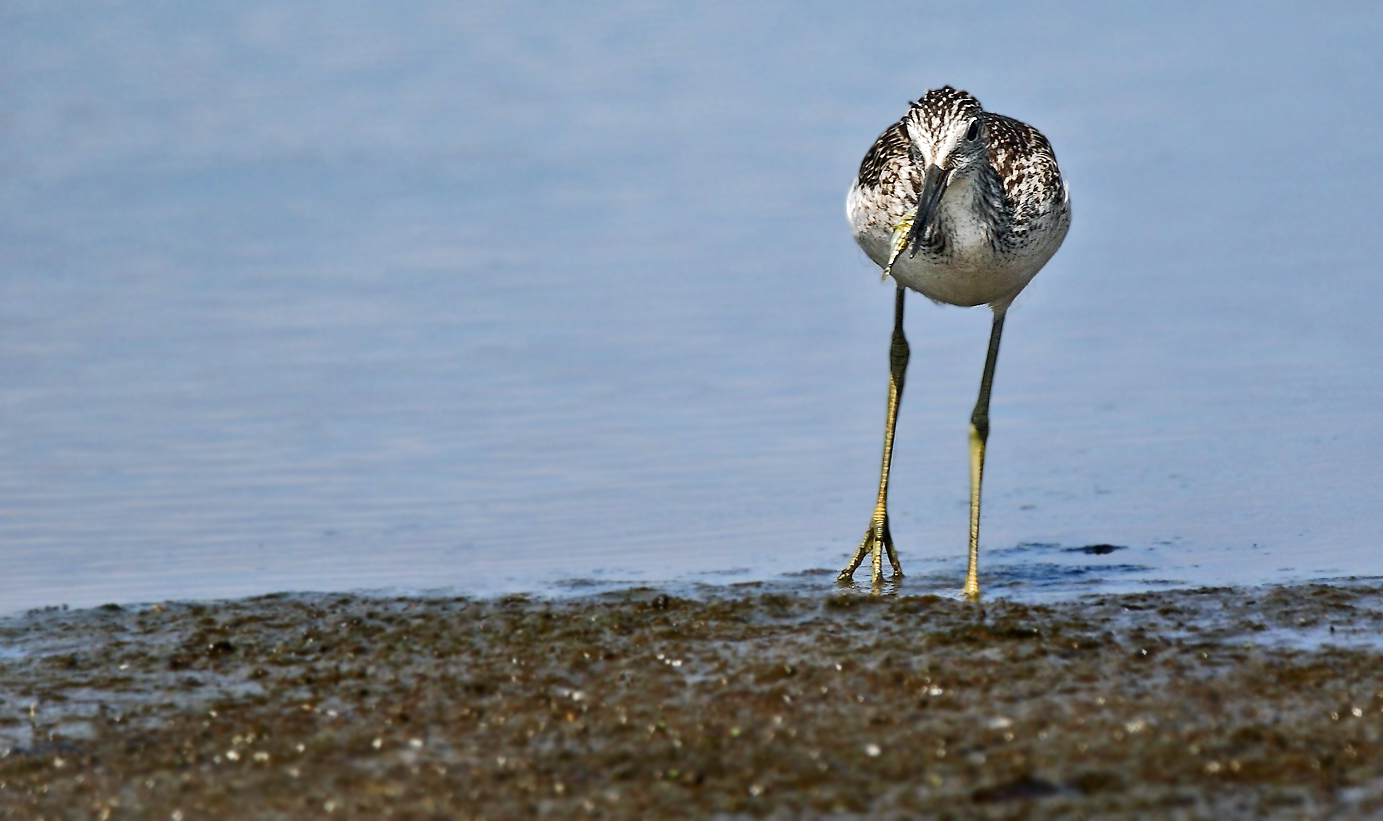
(877, 538)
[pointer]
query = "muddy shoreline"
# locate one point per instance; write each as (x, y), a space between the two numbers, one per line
(751, 701)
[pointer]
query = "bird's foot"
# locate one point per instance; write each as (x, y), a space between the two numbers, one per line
(877, 542)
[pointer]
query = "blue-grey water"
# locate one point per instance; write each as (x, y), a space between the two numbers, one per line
(488, 297)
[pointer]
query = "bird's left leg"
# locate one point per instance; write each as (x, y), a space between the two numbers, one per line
(979, 435)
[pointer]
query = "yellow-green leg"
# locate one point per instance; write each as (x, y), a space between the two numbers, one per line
(877, 539)
(979, 435)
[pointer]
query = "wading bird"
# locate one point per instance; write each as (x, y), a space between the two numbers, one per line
(964, 207)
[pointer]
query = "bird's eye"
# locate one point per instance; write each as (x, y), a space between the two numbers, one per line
(974, 132)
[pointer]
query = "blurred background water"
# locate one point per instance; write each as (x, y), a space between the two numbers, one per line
(487, 297)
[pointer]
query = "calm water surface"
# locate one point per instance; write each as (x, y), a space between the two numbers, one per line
(306, 297)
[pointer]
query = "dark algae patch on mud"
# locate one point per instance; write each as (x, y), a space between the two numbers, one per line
(744, 702)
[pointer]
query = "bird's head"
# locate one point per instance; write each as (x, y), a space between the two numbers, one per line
(947, 143)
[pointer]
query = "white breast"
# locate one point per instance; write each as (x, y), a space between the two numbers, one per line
(972, 272)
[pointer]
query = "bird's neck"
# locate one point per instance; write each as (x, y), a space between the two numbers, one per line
(973, 216)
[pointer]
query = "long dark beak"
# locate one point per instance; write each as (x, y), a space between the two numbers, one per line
(933, 186)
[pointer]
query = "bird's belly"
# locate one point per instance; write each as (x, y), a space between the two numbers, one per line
(956, 282)
(965, 277)
(971, 272)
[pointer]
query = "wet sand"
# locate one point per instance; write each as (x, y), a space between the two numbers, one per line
(754, 701)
